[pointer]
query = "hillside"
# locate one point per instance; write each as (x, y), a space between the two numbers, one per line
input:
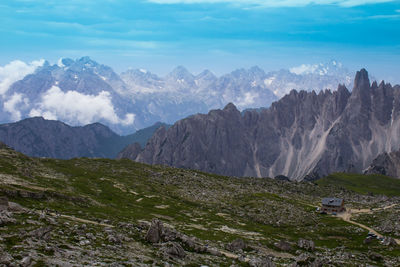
(39, 137)
(101, 211)
(365, 184)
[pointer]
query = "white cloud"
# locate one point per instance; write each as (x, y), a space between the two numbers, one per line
(246, 100)
(275, 3)
(304, 69)
(11, 105)
(15, 71)
(74, 107)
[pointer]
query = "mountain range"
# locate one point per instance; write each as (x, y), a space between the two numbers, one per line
(304, 135)
(82, 91)
(54, 139)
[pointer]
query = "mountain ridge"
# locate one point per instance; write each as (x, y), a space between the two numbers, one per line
(55, 139)
(83, 91)
(304, 134)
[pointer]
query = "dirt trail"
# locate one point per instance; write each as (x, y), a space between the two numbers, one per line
(346, 216)
(76, 219)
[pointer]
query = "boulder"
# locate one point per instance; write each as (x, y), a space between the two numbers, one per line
(26, 261)
(6, 217)
(42, 232)
(306, 244)
(305, 259)
(174, 250)
(15, 207)
(155, 231)
(3, 203)
(375, 256)
(236, 245)
(389, 241)
(261, 262)
(283, 245)
(5, 258)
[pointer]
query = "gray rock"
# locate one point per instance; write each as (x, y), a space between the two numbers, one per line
(306, 244)
(6, 217)
(386, 164)
(15, 207)
(174, 249)
(114, 239)
(130, 152)
(261, 262)
(155, 231)
(389, 241)
(375, 256)
(5, 258)
(26, 261)
(236, 245)
(213, 251)
(3, 203)
(283, 245)
(305, 259)
(42, 232)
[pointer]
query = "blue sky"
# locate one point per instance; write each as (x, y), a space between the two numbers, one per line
(220, 35)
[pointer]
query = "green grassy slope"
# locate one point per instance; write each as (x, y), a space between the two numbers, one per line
(374, 183)
(214, 209)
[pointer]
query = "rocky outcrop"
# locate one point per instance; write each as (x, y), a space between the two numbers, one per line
(306, 244)
(302, 135)
(386, 164)
(236, 245)
(130, 152)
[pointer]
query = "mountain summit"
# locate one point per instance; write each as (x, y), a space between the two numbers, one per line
(303, 135)
(84, 91)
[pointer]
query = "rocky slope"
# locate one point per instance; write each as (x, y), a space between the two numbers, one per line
(102, 212)
(387, 163)
(46, 138)
(303, 134)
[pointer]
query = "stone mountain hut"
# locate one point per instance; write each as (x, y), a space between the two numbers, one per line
(332, 204)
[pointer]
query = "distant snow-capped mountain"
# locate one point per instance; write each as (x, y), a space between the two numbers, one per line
(83, 91)
(309, 77)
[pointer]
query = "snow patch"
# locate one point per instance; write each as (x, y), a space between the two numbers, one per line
(269, 81)
(60, 63)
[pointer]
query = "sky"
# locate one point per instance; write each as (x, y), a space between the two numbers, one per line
(220, 35)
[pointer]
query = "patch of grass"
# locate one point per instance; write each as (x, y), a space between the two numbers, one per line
(363, 184)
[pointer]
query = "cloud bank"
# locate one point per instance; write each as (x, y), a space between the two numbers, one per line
(276, 3)
(11, 105)
(79, 108)
(15, 71)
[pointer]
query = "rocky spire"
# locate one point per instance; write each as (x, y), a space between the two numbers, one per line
(361, 80)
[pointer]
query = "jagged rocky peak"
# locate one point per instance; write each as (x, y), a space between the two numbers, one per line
(302, 134)
(361, 81)
(230, 107)
(66, 62)
(257, 71)
(206, 74)
(87, 61)
(180, 72)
